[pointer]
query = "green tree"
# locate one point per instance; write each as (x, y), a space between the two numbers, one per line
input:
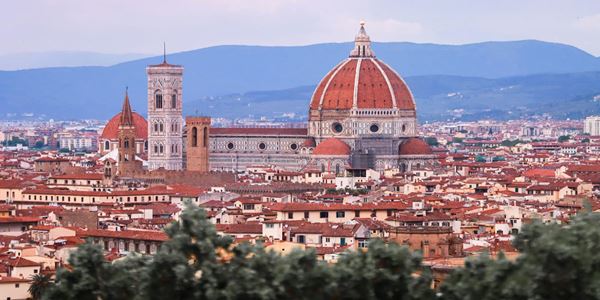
(555, 262)
(39, 285)
(431, 141)
(92, 277)
(564, 138)
(457, 140)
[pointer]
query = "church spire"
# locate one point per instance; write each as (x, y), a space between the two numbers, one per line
(362, 43)
(126, 113)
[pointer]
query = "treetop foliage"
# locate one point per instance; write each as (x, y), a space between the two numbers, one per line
(555, 262)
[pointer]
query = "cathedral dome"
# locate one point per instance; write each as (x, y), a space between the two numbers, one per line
(414, 146)
(362, 82)
(332, 146)
(111, 130)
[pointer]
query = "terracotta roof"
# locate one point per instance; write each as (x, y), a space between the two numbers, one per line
(414, 146)
(111, 130)
(337, 89)
(332, 146)
(127, 234)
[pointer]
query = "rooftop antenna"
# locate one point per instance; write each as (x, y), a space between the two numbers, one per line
(164, 52)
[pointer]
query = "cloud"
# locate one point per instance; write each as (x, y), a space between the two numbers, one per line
(591, 22)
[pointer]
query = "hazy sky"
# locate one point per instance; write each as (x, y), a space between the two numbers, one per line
(140, 26)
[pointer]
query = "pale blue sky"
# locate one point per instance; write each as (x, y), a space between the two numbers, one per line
(140, 26)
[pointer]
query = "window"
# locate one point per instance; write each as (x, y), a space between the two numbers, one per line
(174, 100)
(248, 206)
(194, 137)
(340, 214)
(158, 101)
(363, 244)
(324, 215)
(342, 241)
(161, 148)
(106, 145)
(374, 128)
(301, 239)
(262, 146)
(269, 225)
(337, 127)
(306, 215)
(155, 127)
(327, 240)
(155, 148)
(205, 137)
(161, 126)
(337, 169)
(126, 143)
(290, 215)
(294, 146)
(403, 127)
(230, 146)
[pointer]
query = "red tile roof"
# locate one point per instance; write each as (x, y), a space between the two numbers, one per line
(332, 146)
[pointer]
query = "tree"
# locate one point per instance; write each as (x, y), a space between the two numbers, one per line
(564, 138)
(92, 277)
(457, 140)
(555, 262)
(585, 140)
(197, 263)
(39, 285)
(431, 141)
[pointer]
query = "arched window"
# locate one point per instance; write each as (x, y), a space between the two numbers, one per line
(161, 126)
(161, 148)
(155, 148)
(155, 127)
(174, 99)
(194, 137)
(146, 146)
(337, 169)
(158, 101)
(126, 143)
(205, 137)
(106, 145)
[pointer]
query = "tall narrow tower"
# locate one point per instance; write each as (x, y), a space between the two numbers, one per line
(197, 144)
(165, 120)
(126, 136)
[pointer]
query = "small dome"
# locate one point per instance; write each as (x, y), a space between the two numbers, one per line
(414, 146)
(111, 130)
(332, 146)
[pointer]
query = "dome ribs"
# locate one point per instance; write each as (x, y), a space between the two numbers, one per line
(373, 90)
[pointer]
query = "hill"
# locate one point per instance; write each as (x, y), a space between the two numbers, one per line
(96, 92)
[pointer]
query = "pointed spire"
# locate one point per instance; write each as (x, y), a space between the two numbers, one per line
(362, 43)
(126, 113)
(164, 52)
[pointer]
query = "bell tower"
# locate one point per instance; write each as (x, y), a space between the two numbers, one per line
(197, 145)
(126, 160)
(165, 120)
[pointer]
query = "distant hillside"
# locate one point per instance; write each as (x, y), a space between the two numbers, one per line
(440, 97)
(22, 61)
(96, 92)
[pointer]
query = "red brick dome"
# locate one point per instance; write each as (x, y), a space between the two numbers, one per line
(414, 146)
(332, 146)
(363, 83)
(111, 130)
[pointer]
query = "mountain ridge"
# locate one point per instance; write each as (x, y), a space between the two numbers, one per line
(96, 92)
